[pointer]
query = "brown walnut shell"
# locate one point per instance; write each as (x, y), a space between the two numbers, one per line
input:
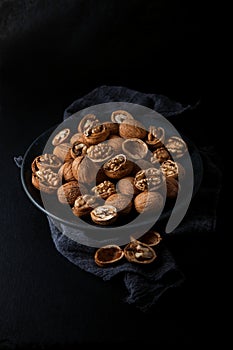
(138, 252)
(132, 129)
(107, 255)
(104, 215)
(126, 186)
(118, 167)
(45, 161)
(61, 136)
(62, 151)
(68, 192)
(84, 170)
(78, 149)
(104, 190)
(172, 187)
(160, 155)
(173, 169)
(148, 202)
(116, 143)
(65, 172)
(87, 121)
(100, 153)
(46, 180)
(78, 137)
(113, 128)
(155, 137)
(84, 204)
(149, 179)
(121, 202)
(176, 146)
(95, 134)
(120, 115)
(151, 238)
(134, 148)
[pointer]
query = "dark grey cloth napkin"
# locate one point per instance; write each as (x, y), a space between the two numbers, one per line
(144, 284)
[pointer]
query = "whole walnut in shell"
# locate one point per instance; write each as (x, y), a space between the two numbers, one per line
(126, 186)
(65, 172)
(131, 128)
(148, 202)
(121, 202)
(68, 192)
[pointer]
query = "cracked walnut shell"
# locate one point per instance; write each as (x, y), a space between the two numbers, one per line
(104, 215)
(136, 251)
(108, 254)
(118, 167)
(46, 180)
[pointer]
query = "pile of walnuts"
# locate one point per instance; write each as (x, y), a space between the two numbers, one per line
(105, 170)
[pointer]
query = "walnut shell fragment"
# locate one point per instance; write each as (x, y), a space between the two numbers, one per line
(108, 254)
(151, 238)
(138, 252)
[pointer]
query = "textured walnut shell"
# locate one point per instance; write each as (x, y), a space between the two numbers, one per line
(113, 128)
(65, 172)
(78, 149)
(138, 252)
(172, 187)
(100, 153)
(92, 137)
(87, 171)
(173, 169)
(132, 129)
(107, 255)
(150, 179)
(86, 121)
(121, 202)
(151, 238)
(68, 192)
(104, 189)
(148, 202)
(126, 186)
(104, 215)
(116, 143)
(62, 151)
(122, 169)
(134, 148)
(160, 155)
(61, 137)
(46, 161)
(120, 115)
(155, 137)
(45, 180)
(78, 137)
(176, 146)
(84, 204)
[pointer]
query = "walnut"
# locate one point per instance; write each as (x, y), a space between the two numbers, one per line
(46, 161)
(100, 153)
(61, 136)
(172, 169)
(87, 121)
(120, 115)
(65, 172)
(84, 170)
(148, 202)
(155, 137)
(104, 215)
(134, 148)
(95, 134)
(132, 128)
(172, 187)
(104, 189)
(139, 252)
(151, 238)
(84, 204)
(121, 202)
(118, 167)
(149, 179)
(68, 192)
(106, 255)
(78, 149)
(176, 146)
(113, 128)
(78, 137)
(46, 180)
(160, 155)
(62, 151)
(126, 186)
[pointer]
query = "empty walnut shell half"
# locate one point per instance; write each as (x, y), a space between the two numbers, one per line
(84, 204)
(149, 179)
(176, 146)
(104, 215)
(46, 180)
(108, 254)
(134, 148)
(118, 167)
(139, 252)
(61, 136)
(120, 115)
(151, 238)
(100, 153)
(46, 161)
(155, 137)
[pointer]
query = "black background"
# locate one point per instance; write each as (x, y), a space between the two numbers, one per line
(52, 53)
